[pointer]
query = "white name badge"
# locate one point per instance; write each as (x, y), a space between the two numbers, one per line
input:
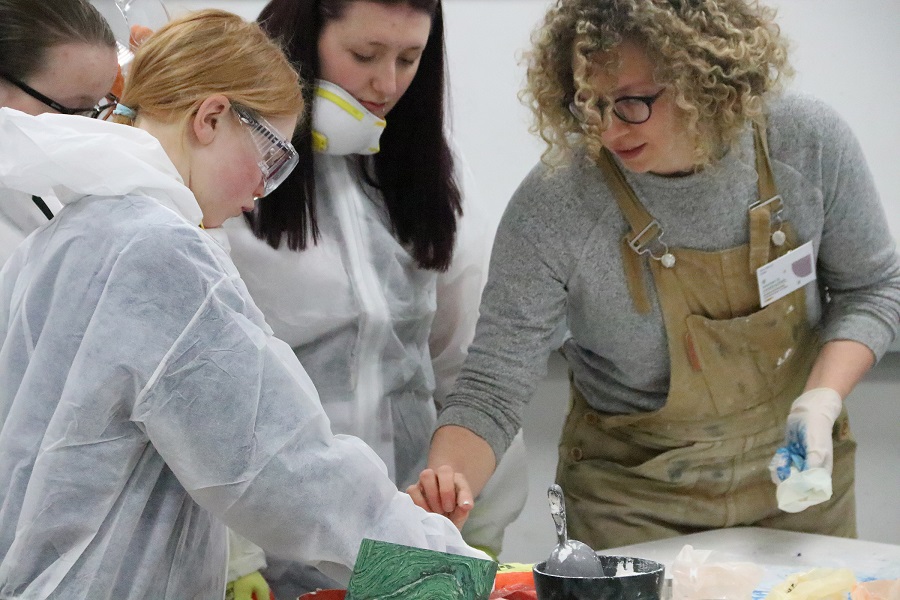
(783, 275)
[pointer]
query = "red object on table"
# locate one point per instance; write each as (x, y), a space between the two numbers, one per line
(324, 595)
(517, 591)
(514, 585)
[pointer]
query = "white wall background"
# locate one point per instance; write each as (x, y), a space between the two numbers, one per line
(846, 53)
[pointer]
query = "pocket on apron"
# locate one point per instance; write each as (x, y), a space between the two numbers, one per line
(585, 438)
(631, 454)
(752, 356)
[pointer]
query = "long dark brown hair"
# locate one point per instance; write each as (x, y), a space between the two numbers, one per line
(413, 170)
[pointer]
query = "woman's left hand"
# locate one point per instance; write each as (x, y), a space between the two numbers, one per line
(808, 443)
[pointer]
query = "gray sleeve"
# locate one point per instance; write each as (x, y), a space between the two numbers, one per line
(857, 261)
(522, 306)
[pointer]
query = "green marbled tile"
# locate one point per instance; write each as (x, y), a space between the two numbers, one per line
(384, 571)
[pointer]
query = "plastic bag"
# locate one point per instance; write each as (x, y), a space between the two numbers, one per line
(803, 489)
(818, 584)
(694, 577)
(883, 589)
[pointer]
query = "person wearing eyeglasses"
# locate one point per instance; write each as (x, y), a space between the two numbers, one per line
(717, 250)
(370, 259)
(145, 403)
(55, 56)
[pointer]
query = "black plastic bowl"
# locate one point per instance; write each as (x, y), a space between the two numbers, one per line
(640, 579)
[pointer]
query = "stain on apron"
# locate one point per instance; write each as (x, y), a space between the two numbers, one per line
(701, 461)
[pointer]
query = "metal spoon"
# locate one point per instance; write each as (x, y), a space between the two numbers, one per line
(570, 557)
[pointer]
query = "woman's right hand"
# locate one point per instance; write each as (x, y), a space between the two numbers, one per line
(445, 492)
(459, 464)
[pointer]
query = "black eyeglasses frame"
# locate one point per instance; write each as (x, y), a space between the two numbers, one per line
(601, 107)
(92, 112)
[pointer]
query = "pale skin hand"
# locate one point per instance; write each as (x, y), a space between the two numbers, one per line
(839, 366)
(459, 465)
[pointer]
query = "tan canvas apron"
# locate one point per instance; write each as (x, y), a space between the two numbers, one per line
(701, 461)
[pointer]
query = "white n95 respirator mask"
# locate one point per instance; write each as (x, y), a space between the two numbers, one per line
(341, 125)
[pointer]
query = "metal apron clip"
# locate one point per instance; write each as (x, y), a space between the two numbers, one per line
(655, 232)
(776, 217)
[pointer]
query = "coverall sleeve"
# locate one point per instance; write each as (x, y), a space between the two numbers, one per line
(244, 556)
(237, 420)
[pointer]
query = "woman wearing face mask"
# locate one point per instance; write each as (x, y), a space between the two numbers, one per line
(368, 261)
(144, 402)
(674, 181)
(56, 56)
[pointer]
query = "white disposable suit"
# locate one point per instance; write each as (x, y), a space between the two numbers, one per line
(382, 338)
(144, 402)
(19, 216)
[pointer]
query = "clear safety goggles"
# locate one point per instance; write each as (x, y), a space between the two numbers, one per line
(277, 156)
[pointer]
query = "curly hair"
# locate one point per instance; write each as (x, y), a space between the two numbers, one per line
(720, 57)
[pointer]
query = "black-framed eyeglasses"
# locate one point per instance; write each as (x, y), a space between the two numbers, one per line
(630, 109)
(92, 112)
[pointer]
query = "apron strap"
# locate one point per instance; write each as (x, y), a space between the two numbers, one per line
(767, 209)
(644, 231)
(634, 277)
(766, 181)
(642, 222)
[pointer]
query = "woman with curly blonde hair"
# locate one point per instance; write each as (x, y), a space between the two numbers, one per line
(720, 257)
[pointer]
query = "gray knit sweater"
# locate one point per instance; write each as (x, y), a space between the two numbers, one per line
(556, 260)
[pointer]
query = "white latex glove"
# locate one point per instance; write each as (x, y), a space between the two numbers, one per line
(808, 442)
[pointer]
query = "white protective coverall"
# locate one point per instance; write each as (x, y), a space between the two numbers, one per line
(19, 216)
(382, 339)
(144, 402)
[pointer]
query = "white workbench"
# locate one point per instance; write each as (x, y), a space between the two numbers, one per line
(779, 553)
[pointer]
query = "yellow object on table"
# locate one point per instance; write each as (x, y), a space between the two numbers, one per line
(251, 586)
(818, 584)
